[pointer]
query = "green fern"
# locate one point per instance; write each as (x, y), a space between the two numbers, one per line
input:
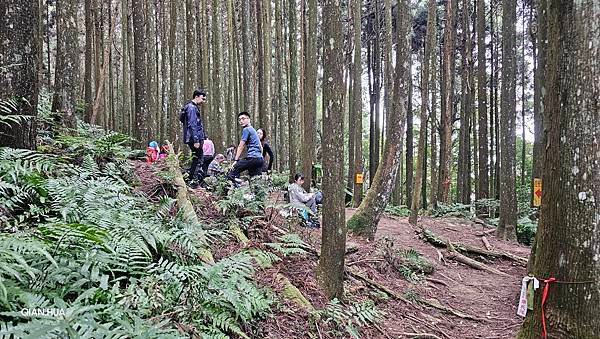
(8, 108)
(349, 318)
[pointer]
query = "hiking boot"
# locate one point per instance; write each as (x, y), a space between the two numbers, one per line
(193, 184)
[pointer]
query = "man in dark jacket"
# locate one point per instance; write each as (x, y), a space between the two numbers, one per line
(193, 130)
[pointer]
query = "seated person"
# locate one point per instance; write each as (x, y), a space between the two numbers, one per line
(215, 168)
(152, 152)
(298, 195)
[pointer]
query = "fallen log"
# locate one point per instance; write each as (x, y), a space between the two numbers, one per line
(183, 202)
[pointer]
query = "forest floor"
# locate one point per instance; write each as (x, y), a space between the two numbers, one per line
(454, 301)
(489, 298)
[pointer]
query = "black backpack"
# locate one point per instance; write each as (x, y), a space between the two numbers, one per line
(183, 114)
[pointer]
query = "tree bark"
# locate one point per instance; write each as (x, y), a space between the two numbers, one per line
(508, 197)
(409, 141)
(421, 156)
(357, 102)
(569, 238)
(293, 88)
(89, 50)
(247, 56)
(141, 132)
(98, 105)
(539, 45)
(310, 95)
(19, 65)
(67, 62)
(330, 272)
(483, 182)
(434, 121)
(448, 111)
(364, 221)
(375, 97)
(464, 151)
(217, 113)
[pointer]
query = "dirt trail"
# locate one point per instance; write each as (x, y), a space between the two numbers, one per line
(490, 297)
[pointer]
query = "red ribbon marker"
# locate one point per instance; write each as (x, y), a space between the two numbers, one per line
(544, 297)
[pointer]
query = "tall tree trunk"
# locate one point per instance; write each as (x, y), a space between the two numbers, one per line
(67, 62)
(409, 141)
(247, 54)
(464, 151)
(330, 272)
(217, 81)
(260, 54)
(483, 182)
(447, 112)
(310, 94)
(523, 98)
(88, 64)
(173, 67)
(364, 221)
(152, 71)
(190, 49)
(98, 106)
(266, 116)
(492, 122)
(19, 71)
(398, 192)
(508, 197)
(279, 74)
(351, 119)
(422, 150)
(293, 87)
(568, 234)
(498, 56)
(538, 40)
(375, 93)
(539, 107)
(357, 102)
(164, 81)
(139, 51)
(434, 121)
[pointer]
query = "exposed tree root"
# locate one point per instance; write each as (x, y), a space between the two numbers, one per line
(293, 294)
(486, 243)
(441, 242)
(437, 305)
(235, 229)
(183, 202)
(441, 282)
(453, 254)
(420, 335)
(428, 302)
(483, 223)
(377, 285)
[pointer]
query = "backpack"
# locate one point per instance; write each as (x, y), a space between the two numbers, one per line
(183, 114)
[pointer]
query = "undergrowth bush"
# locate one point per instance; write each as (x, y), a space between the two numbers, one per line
(399, 211)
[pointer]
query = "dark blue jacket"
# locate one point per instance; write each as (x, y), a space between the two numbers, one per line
(193, 130)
